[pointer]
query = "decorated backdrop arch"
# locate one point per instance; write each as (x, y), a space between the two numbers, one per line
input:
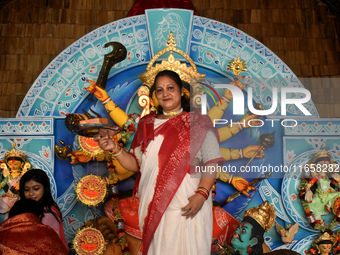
(210, 44)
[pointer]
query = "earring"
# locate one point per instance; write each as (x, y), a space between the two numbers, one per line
(249, 249)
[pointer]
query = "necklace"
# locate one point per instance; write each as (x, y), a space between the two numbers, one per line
(173, 113)
(14, 178)
(321, 184)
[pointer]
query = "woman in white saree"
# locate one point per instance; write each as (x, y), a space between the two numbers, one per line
(175, 212)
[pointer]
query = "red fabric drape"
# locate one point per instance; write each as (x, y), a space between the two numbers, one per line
(25, 234)
(140, 6)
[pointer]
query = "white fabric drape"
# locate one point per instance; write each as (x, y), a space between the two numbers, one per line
(176, 234)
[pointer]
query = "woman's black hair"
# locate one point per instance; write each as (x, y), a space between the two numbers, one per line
(41, 177)
(185, 100)
(26, 206)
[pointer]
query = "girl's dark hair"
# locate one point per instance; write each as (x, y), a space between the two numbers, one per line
(185, 100)
(46, 201)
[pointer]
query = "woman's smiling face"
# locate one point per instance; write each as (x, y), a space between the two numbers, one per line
(168, 94)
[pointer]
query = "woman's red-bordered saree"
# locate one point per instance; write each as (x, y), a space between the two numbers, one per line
(182, 138)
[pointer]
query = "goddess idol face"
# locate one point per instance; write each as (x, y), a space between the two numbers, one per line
(325, 249)
(15, 166)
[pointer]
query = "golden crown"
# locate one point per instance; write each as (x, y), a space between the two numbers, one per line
(15, 153)
(185, 72)
(325, 237)
(321, 154)
(264, 215)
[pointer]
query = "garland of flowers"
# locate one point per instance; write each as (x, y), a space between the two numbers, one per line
(112, 177)
(118, 219)
(128, 129)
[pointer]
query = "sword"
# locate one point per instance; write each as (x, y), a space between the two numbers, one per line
(117, 55)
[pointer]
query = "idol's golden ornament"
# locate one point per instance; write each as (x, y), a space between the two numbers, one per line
(89, 241)
(263, 214)
(325, 237)
(89, 146)
(321, 154)
(15, 154)
(144, 100)
(91, 190)
(185, 72)
(62, 152)
(237, 66)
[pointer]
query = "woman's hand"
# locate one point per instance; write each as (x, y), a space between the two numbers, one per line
(192, 208)
(106, 143)
(104, 140)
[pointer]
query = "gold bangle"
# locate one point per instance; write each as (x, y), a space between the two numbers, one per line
(116, 149)
(118, 153)
(204, 190)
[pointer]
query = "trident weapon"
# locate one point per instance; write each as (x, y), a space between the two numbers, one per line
(117, 55)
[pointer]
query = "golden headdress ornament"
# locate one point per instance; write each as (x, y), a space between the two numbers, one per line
(321, 154)
(185, 72)
(26, 165)
(237, 66)
(149, 103)
(15, 153)
(264, 215)
(325, 237)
